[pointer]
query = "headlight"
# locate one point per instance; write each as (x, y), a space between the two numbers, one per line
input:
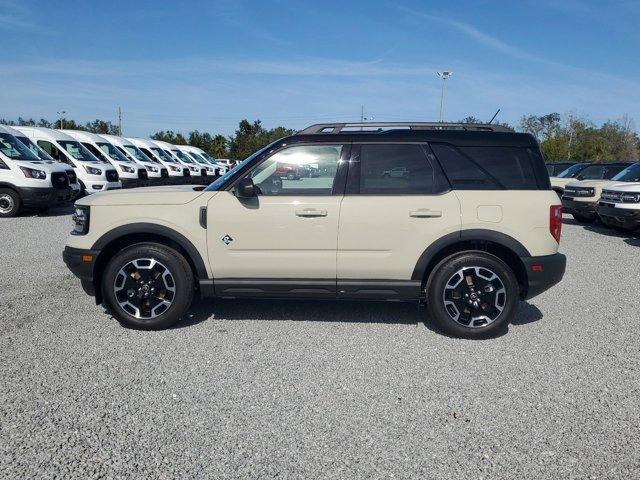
(92, 171)
(174, 168)
(211, 170)
(127, 169)
(33, 173)
(151, 169)
(194, 169)
(80, 221)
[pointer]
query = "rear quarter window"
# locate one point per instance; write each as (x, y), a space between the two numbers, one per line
(491, 167)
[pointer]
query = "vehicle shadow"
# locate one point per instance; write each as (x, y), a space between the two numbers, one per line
(331, 311)
(57, 211)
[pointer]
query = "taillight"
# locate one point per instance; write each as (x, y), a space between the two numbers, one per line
(555, 221)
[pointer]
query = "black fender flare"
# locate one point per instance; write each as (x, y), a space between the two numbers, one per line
(474, 234)
(155, 229)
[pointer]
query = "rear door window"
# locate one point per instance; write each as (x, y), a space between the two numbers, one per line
(395, 169)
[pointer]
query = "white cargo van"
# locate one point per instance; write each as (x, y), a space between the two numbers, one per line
(27, 181)
(93, 174)
(48, 159)
(201, 159)
(178, 174)
(198, 173)
(158, 173)
(131, 174)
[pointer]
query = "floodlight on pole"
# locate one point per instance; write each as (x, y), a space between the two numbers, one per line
(61, 117)
(444, 75)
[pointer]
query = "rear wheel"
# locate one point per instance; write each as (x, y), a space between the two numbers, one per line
(148, 286)
(472, 294)
(9, 203)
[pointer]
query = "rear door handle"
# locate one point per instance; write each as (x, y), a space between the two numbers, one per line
(311, 212)
(425, 213)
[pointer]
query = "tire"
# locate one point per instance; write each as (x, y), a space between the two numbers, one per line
(444, 300)
(128, 288)
(10, 203)
(584, 218)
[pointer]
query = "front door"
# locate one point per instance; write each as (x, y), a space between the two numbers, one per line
(284, 240)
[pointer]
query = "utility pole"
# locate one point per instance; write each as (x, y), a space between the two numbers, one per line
(444, 75)
(119, 122)
(61, 117)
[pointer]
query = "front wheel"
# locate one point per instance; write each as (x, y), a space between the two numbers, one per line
(148, 286)
(472, 294)
(9, 203)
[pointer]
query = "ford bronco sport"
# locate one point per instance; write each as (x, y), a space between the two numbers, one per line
(580, 198)
(619, 204)
(472, 229)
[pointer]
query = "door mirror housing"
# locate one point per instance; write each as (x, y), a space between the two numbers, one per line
(245, 188)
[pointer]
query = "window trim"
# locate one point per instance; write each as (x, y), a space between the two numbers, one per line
(3, 166)
(338, 181)
(441, 183)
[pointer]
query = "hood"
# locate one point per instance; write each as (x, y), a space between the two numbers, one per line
(171, 195)
(560, 182)
(43, 166)
(625, 186)
(590, 183)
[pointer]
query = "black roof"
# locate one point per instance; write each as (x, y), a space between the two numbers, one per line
(456, 134)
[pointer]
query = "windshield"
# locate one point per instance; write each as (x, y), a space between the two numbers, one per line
(77, 151)
(15, 149)
(136, 153)
(113, 152)
(213, 187)
(182, 156)
(42, 155)
(162, 154)
(629, 174)
(572, 171)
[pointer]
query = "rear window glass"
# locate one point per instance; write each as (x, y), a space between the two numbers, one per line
(487, 168)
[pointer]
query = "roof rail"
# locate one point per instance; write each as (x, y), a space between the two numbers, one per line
(379, 126)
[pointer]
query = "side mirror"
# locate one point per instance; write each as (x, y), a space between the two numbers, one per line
(245, 188)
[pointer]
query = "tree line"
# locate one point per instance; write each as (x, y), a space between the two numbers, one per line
(562, 137)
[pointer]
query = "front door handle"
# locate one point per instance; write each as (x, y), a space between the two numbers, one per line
(311, 212)
(425, 213)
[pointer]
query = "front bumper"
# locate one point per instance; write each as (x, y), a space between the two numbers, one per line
(81, 262)
(619, 217)
(130, 182)
(543, 273)
(42, 197)
(581, 208)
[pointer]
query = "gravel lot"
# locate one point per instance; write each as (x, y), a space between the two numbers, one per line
(318, 389)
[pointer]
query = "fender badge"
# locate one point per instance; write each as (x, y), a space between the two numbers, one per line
(227, 239)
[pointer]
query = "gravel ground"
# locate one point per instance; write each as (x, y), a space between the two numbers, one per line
(317, 389)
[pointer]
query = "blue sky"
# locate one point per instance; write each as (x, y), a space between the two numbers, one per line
(206, 65)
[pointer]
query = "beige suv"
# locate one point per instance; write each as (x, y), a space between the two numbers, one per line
(471, 228)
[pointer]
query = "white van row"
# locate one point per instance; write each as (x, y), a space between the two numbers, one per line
(40, 166)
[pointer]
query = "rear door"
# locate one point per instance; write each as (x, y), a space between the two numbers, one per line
(284, 240)
(387, 219)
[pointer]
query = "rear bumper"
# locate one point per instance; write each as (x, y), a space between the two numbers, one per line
(581, 208)
(622, 217)
(543, 273)
(42, 197)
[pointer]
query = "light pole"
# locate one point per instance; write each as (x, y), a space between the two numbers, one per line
(60, 116)
(444, 75)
